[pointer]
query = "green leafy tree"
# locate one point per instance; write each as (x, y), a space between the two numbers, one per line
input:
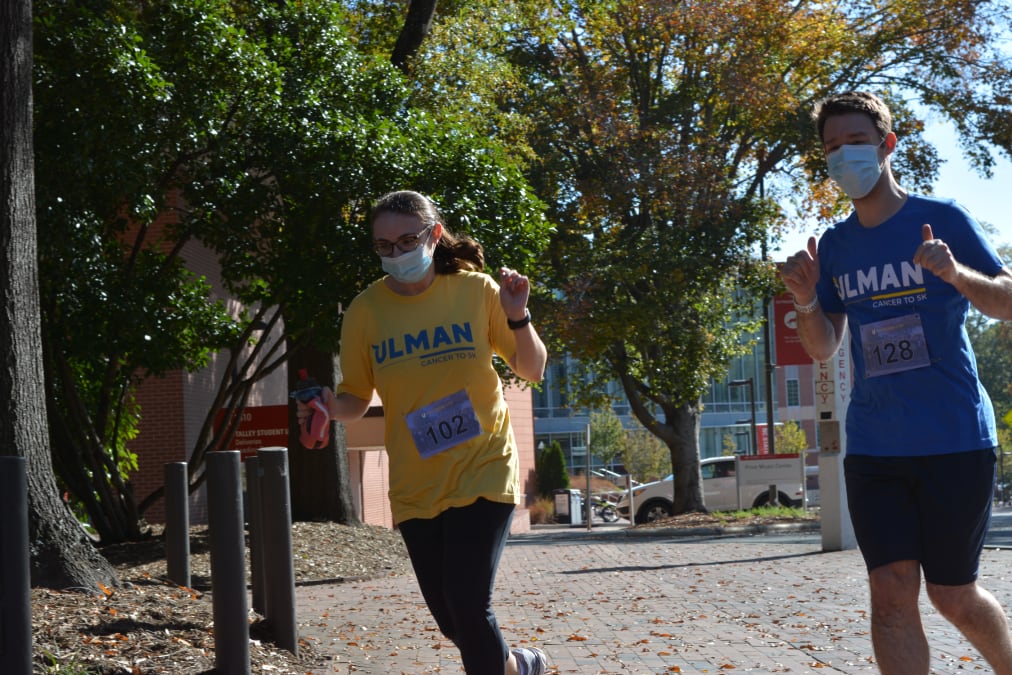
(730, 447)
(992, 346)
(119, 304)
(646, 458)
(342, 131)
(607, 436)
(551, 470)
(257, 131)
(668, 142)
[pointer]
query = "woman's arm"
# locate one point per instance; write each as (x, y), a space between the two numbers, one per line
(531, 356)
(342, 407)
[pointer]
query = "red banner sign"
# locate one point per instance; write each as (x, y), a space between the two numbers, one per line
(785, 331)
(763, 435)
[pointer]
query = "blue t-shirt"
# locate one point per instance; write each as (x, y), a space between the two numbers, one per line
(916, 390)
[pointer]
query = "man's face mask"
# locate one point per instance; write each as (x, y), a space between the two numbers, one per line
(855, 168)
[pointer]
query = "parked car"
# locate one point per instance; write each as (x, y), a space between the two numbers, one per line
(720, 493)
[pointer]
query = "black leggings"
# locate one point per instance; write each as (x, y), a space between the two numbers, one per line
(455, 556)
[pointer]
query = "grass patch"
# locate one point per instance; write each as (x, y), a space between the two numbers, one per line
(771, 512)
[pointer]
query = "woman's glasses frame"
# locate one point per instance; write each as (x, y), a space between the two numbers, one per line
(405, 243)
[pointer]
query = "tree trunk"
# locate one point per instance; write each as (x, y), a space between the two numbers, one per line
(680, 432)
(417, 24)
(684, 421)
(320, 480)
(61, 554)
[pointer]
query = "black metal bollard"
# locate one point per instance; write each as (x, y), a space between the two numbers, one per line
(228, 563)
(276, 510)
(15, 571)
(177, 523)
(256, 534)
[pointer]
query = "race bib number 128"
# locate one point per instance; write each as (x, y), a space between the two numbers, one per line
(894, 345)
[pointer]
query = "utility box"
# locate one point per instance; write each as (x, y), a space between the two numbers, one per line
(568, 507)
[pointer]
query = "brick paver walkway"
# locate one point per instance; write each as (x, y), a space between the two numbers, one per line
(609, 602)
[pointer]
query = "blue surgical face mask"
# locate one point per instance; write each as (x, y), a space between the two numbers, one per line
(855, 168)
(409, 267)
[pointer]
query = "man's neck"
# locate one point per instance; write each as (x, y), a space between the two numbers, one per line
(881, 204)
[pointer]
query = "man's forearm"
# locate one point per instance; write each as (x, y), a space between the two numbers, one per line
(820, 333)
(990, 295)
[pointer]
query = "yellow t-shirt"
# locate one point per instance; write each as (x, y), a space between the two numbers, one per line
(417, 350)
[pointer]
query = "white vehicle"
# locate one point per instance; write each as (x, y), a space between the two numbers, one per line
(653, 501)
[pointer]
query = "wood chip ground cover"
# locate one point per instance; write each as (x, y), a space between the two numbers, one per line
(150, 626)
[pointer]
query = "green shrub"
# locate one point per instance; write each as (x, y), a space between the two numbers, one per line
(551, 469)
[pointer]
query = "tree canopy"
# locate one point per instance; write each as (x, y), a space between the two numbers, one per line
(257, 131)
(667, 149)
(671, 147)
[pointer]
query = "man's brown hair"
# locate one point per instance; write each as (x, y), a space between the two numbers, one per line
(854, 102)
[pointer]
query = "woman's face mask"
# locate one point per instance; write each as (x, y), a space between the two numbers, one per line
(409, 267)
(855, 168)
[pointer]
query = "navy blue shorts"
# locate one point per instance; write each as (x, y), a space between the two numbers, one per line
(934, 509)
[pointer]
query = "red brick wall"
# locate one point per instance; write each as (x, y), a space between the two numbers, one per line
(173, 408)
(161, 437)
(522, 417)
(374, 484)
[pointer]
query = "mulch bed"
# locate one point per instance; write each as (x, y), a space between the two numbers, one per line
(151, 626)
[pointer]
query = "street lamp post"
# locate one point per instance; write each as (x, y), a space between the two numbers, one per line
(748, 382)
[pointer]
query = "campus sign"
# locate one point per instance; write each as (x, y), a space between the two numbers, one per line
(787, 469)
(262, 426)
(770, 469)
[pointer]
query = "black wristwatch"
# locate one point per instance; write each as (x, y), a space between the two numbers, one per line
(514, 325)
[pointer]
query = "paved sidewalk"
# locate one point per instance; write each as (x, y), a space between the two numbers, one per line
(608, 601)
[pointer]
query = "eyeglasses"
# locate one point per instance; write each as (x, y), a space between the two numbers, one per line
(405, 243)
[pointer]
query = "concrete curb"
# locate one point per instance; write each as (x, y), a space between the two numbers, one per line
(728, 531)
(620, 530)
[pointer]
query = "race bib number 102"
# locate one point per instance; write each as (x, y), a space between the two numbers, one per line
(443, 424)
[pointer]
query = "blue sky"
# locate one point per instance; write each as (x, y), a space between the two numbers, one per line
(989, 200)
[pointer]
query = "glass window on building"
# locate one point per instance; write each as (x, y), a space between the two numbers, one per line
(793, 392)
